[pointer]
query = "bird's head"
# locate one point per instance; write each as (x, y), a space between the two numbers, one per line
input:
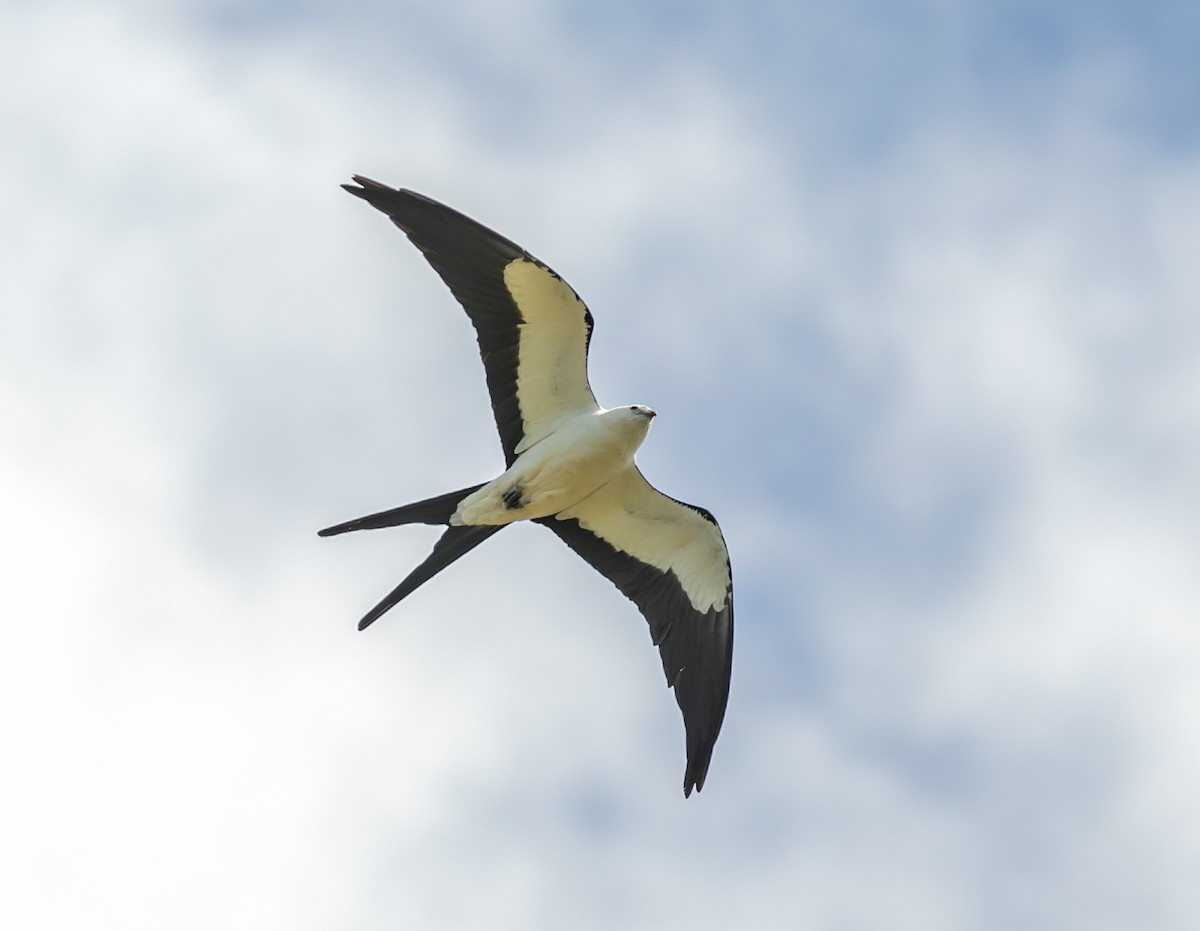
(632, 421)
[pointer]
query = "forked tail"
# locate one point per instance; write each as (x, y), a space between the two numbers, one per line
(453, 544)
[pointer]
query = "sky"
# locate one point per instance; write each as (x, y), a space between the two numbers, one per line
(912, 286)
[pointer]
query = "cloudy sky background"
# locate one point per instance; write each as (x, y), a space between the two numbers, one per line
(914, 289)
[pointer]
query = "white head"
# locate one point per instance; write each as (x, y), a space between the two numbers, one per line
(631, 422)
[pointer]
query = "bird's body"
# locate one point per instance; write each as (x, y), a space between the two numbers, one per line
(583, 452)
(569, 463)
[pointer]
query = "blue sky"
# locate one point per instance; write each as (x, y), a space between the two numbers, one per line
(912, 287)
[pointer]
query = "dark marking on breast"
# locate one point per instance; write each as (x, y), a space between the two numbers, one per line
(512, 498)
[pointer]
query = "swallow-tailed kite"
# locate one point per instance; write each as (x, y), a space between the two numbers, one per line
(570, 463)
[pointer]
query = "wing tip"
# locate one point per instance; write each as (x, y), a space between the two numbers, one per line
(694, 776)
(365, 184)
(377, 193)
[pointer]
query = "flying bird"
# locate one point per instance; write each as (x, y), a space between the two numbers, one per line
(569, 463)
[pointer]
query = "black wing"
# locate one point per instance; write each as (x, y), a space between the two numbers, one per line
(669, 559)
(533, 329)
